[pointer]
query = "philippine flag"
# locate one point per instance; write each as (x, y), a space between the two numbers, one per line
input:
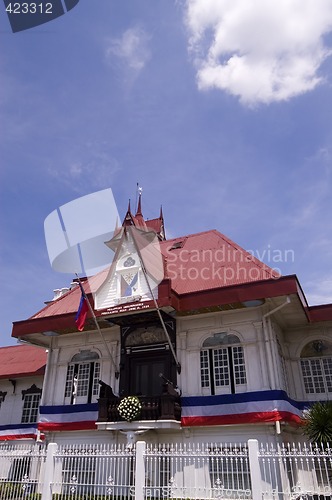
(82, 311)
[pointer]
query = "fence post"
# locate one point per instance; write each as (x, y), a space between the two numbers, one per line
(139, 470)
(255, 472)
(49, 472)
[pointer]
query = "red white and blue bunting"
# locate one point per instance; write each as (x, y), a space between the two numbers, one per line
(250, 407)
(12, 432)
(68, 417)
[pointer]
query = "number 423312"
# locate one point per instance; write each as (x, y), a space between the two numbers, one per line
(29, 8)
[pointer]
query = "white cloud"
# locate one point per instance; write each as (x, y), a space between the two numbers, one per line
(96, 170)
(259, 50)
(132, 48)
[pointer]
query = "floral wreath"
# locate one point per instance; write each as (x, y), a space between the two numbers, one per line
(129, 408)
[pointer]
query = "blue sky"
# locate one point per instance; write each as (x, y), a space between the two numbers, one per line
(221, 110)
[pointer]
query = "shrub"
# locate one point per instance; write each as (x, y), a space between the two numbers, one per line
(317, 423)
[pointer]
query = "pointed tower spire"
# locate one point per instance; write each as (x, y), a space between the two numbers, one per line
(139, 205)
(128, 220)
(139, 216)
(162, 234)
(137, 220)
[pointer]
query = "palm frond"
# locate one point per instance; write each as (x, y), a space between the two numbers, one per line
(317, 423)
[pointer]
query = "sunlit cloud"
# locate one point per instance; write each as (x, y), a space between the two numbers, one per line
(260, 51)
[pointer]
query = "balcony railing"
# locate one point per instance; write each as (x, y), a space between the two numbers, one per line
(164, 407)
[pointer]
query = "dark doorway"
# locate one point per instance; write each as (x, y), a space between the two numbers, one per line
(145, 354)
(144, 379)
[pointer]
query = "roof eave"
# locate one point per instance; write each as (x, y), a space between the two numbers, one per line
(263, 289)
(39, 325)
(320, 313)
(38, 373)
(66, 321)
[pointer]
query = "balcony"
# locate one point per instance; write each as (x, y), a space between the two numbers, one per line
(155, 412)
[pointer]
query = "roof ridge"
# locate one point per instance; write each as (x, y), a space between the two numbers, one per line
(185, 236)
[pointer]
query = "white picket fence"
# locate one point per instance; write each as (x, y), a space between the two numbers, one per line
(165, 471)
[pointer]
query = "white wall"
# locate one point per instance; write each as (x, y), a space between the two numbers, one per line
(259, 351)
(65, 347)
(11, 408)
(193, 330)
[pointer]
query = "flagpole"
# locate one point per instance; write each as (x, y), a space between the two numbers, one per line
(178, 365)
(117, 373)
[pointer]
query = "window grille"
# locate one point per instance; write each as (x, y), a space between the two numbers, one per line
(316, 367)
(222, 367)
(239, 366)
(83, 375)
(69, 381)
(317, 375)
(30, 408)
(205, 369)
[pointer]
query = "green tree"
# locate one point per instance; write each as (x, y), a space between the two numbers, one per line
(317, 423)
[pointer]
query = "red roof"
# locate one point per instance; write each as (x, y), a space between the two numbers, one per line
(194, 263)
(201, 270)
(22, 361)
(208, 260)
(67, 303)
(155, 225)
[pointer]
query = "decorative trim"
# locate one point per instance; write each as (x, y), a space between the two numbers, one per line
(32, 390)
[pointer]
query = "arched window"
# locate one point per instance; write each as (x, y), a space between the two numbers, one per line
(316, 365)
(31, 398)
(222, 365)
(83, 375)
